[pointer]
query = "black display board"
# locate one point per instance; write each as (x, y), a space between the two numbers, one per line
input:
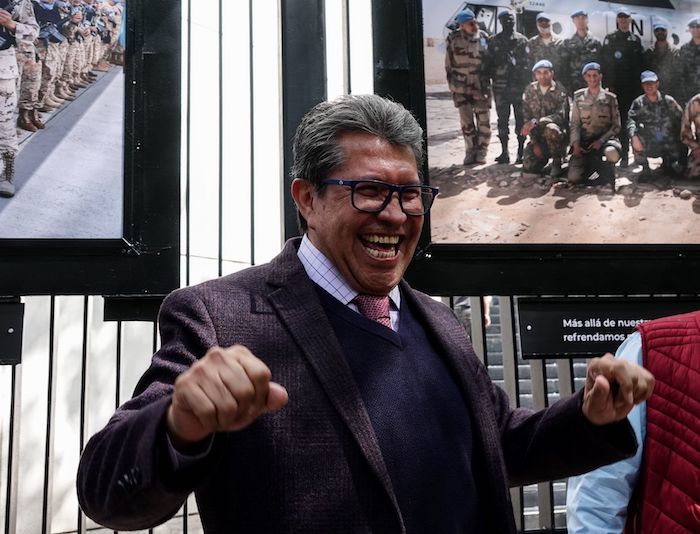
(648, 265)
(144, 260)
(579, 326)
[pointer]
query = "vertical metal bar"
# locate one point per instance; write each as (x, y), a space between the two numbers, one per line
(348, 48)
(49, 420)
(10, 499)
(510, 379)
(83, 384)
(118, 365)
(221, 141)
(188, 149)
(251, 85)
(477, 326)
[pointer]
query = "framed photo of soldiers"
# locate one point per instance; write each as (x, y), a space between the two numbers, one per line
(560, 136)
(89, 186)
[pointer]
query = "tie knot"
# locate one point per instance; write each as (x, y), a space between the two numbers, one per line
(374, 308)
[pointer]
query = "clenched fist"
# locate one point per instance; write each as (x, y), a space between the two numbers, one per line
(224, 391)
(613, 387)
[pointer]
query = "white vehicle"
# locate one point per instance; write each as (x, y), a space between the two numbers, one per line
(601, 16)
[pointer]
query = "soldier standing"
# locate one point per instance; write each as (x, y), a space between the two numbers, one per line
(47, 47)
(29, 78)
(579, 50)
(508, 67)
(689, 62)
(690, 134)
(19, 25)
(653, 126)
(621, 59)
(594, 125)
(546, 111)
(471, 91)
(544, 45)
(662, 58)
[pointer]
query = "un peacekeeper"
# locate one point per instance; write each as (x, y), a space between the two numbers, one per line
(469, 84)
(689, 62)
(594, 125)
(544, 45)
(621, 58)
(690, 135)
(508, 67)
(20, 25)
(546, 111)
(653, 125)
(579, 50)
(662, 58)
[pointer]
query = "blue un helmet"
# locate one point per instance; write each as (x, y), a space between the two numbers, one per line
(466, 15)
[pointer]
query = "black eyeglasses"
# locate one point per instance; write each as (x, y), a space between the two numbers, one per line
(372, 196)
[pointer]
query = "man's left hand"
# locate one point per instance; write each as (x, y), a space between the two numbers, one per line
(613, 387)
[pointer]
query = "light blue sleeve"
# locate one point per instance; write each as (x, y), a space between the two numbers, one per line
(596, 502)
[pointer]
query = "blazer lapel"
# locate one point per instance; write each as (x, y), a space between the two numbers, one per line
(299, 308)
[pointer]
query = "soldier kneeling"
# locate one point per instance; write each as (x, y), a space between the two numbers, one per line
(653, 124)
(546, 113)
(594, 126)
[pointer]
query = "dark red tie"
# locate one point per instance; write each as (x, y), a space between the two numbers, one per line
(375, 308)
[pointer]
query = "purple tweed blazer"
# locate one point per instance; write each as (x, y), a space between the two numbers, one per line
(315, 466)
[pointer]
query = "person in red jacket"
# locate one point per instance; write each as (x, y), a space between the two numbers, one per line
(657, 490)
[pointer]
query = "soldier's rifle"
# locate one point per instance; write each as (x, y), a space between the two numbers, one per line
(5, 35)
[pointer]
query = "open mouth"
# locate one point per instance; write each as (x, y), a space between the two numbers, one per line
(381, 246)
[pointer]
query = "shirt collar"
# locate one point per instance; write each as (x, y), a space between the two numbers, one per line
(322, 272)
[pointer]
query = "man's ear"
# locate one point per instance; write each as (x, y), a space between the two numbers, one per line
(303, 195)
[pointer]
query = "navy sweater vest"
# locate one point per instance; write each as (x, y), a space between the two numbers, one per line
(419, 416)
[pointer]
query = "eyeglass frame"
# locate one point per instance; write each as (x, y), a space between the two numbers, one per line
(393, 188)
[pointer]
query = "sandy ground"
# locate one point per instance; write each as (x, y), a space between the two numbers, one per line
(495, 204)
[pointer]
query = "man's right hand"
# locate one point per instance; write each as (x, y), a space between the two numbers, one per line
(637, 143)
(224, 391)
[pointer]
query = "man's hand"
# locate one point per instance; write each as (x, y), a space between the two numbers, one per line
(6, 20)
(637, 143)
(695, 152)
(527, 128)
(578, 151)
(613, 387)
(596, 145)
(224, 391)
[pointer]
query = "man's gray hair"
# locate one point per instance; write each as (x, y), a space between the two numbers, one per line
(316, 149)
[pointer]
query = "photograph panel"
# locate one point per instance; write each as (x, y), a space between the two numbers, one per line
(62, 119)
(502, 185)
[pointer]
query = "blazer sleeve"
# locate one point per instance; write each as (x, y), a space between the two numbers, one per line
(126, 480)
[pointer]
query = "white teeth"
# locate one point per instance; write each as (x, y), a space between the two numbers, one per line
(380, 253)
(387, 240)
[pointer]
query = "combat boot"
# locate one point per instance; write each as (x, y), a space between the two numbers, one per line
(36, 119)
(469, 158)
(646, 175)
(480, 157)
(24, 121)
(555, 170)
(54, 101)
(503, 157)
(65, 95)
(521, 145)
(7, 179)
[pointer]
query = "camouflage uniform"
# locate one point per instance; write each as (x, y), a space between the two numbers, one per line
(508, 67)
(537, 49)
(657, 124)
(470, 89)
(550, 113)
(664, 62)
(689, 68)
(27, 30)
(573, 55)
(593, 118)
(47, 49)
(690, 133)
(621, 62)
